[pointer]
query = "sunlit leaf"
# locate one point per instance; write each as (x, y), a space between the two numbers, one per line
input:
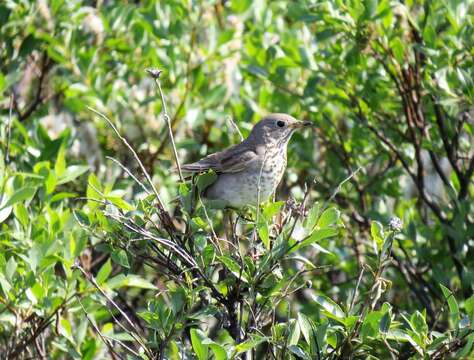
(328, 217)
(201, 350)
(72, 172)
(23, 194)
(251, 343)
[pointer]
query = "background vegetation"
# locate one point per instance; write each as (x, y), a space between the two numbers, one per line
(367, 252)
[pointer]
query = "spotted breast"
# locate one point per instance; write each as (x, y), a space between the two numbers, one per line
(240, 189)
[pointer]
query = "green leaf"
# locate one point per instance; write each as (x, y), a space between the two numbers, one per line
(469, 306)
(60, 165)
(65, 330)
(123, 336)
(452, 304)
(370, 326)
(466, 350)
(262, 229)
(138, 282)
(376, 230)
(10, 268)
(401, 336)
(61, 196)
(120, 257)
(21, 214)
(5, 213)
(205, 180)
(418, 321)
(104, 272)
(218, 350)
(4, 284)
(50, 182)
(214, 96)
(72, 172)
(312, 218)
(201, 350)
(233, 266)
(296, 350)
(328, 217)
(250, 343)
(306, 327)
(316, 236)
(23, 194)
(204, 313)
(93, 191)
(257, 70)
(271, 209)
(370, 8)
(329, 306)
(81, 217)
(385, 322)
(120, 203)
(130, 280)
(295, 333)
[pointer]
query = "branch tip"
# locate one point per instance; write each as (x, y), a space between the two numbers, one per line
(154, 72)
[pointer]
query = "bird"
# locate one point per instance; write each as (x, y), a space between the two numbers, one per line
(248, 173)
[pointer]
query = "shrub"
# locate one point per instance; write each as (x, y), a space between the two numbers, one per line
(106, 252)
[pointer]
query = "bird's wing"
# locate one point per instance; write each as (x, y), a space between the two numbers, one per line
(232, 160)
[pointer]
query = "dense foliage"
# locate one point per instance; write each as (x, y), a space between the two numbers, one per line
(367, 250)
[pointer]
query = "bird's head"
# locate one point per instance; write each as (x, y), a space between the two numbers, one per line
(276, 129)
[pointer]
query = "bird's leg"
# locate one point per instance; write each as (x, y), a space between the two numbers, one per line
(235, 225)
(194, 194)
(229, 229)
(231, 232)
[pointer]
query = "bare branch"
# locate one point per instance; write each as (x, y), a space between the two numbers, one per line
(9, 129)
(229, 118)
(160, 202)
(129, 173)
(38, 100)
(156, 75)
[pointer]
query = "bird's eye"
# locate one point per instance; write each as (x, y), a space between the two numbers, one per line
(280, 123)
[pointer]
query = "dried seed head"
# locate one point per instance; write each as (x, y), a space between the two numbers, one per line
(154, 72)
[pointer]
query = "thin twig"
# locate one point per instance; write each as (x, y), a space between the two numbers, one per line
(136, 331)
(339, 187)
(354, 296)
(254, 235)
(156, 75)
(106, 341)
(165, 242)
(9, 128)
(229, 118)
(38, 100)
(160, 202)
(129, 173)
(209, 221)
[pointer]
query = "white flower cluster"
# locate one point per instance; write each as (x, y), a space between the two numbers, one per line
(395, 223)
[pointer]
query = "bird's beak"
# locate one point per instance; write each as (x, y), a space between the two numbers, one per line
(301, 124)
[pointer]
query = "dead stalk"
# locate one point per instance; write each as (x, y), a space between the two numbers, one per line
(9, 130)
(156, 75)
(235, 127)
(135, 155)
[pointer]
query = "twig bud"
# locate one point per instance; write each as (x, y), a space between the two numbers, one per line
(154, 72)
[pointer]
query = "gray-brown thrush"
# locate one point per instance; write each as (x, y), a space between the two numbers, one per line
(251, 170)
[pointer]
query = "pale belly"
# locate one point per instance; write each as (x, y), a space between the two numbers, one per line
(242, 189)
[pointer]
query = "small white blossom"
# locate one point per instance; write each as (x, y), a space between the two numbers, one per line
(396, 223)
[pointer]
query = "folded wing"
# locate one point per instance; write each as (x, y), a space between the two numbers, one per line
(232, 160)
